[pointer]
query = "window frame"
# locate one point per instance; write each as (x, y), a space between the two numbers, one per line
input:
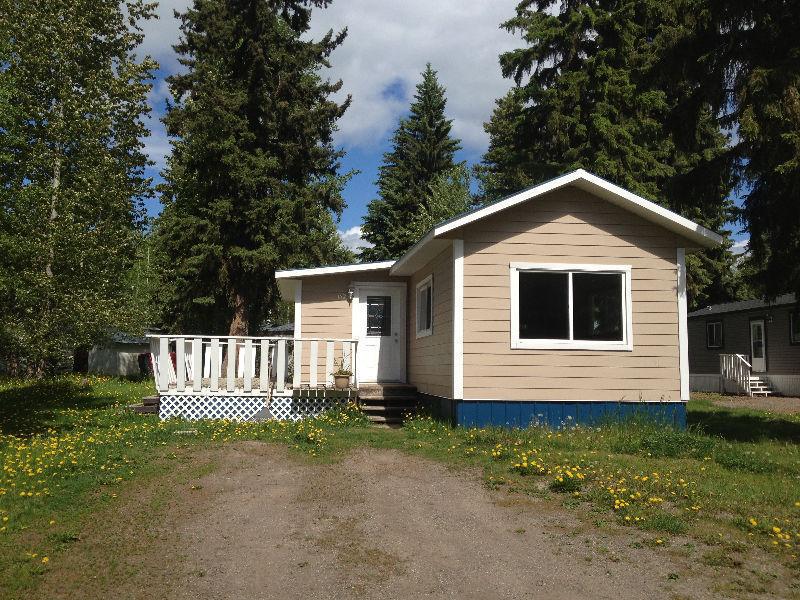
(517, 343)
(721, 334)
(794, 316)
(426, 282)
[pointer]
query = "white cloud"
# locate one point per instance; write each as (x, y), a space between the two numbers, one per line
(740, 246)
(351, 238)
(387, 46)
(390, 42)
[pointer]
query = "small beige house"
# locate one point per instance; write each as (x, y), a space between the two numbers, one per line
(564, 302)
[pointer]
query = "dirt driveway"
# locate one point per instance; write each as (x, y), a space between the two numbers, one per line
(379, 524)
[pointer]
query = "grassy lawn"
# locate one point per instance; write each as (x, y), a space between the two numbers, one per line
(731, 482)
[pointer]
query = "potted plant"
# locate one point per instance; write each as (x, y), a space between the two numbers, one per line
(341, 376)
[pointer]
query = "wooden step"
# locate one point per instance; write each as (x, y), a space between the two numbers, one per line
(144, 409)
(385, 420)
(151, 400)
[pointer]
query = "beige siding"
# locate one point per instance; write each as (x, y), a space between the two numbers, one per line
(326, 313)
(782, 357)
(430, 358)
(570, 226)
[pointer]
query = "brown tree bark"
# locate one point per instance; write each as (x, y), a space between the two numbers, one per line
(240, 321)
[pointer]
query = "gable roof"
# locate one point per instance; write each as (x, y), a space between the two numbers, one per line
(427, 247)
(433, 242)
(718, 309)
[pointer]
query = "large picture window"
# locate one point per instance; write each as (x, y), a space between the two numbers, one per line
(425, 307)
(570, 306)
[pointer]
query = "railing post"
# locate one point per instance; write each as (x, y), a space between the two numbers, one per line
(280, 379)
(313, 363)
(353, 362)
(213, 375)
(248, 365)
(329, 352)
(180, 366)
(163, 364)
(263, 368)
(298, 364)
(197, 364)
(230, 376)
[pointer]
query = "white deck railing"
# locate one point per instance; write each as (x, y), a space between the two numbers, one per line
(230, 365)
(735, 370)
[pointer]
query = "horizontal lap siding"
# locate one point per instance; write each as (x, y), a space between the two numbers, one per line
(326, 313)
(430, 359)
(569, 226)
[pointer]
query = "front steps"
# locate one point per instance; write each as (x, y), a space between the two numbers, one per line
(387, 403)
(760, 387)
(149, 406)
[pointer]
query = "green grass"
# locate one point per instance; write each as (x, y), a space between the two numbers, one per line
(69, 448)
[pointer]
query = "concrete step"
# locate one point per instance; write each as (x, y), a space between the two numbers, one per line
(413, 400)
(380, 408)
(385, 420)
(144, 409)
(386, 388)
(150, 400)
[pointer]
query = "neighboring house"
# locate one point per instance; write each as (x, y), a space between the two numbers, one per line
(563, 303)
(756, 341)
(120, 355)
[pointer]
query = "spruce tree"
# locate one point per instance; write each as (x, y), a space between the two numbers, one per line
(592, 94)
(252, 182)
(422, 149)
(72, 107)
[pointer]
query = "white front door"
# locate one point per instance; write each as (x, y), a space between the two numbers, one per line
(379, 318)
(758, 346)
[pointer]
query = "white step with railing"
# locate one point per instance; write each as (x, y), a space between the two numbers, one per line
(738, 378)
(244, 365)
(759, 387)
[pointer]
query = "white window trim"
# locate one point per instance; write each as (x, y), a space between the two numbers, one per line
(421, 333)
(546, 344)
(709, 324)
(793, 316)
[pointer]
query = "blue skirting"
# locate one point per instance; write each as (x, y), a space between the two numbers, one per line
(555, 414)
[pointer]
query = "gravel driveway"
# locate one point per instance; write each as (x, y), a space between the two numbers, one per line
(265, 524)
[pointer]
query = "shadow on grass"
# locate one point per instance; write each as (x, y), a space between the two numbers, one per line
(30, 407)
(742, 426)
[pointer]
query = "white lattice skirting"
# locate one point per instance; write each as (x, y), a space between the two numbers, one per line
(243, 408)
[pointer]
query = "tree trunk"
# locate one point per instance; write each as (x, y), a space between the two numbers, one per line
(240, 321)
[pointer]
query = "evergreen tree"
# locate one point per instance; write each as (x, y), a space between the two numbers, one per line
(743, 57)
(448, 195)
(252, 182)
(422, 149)
(72, 103)
(592, 94)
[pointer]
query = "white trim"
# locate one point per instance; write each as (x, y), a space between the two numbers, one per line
(458, 319)
(421, 333)
(401, 262)
(793, 315)
(380, 283)
(354, 268)
(518, 343)
(683, 331)
(591, 182)
(298, 310)
(720, 338)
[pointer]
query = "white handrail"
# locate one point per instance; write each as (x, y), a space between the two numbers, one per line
(246, 365)
(735, 369)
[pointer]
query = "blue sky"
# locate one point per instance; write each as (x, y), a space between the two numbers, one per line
(380, 62)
